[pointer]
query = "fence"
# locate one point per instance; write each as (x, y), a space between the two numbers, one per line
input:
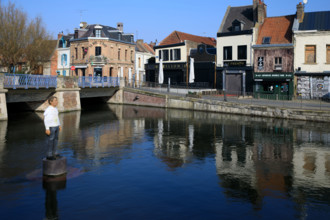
(26, 81)
(176, 89)
(98, 81)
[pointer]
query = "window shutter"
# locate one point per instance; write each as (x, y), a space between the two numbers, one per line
(328, 53)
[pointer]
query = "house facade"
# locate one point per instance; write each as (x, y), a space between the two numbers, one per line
(98, 50)
(143, 52)
(174, 52)
(236, 35)
(312, 54)
(273, 59)
(63, 54)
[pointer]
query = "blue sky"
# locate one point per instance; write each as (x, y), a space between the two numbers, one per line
(149, 19)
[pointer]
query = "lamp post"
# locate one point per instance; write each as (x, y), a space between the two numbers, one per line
(72, 65)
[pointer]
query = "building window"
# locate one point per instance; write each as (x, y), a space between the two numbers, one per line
(260, 63)
(97, 51)
(64, 59)
(118, 54)
(160, 54)
(328, 53)
(125, 54)
(132, 55)
(165, 55)
(76, 52)
(266, 40)
(310, 54)
(97, 33)
(83, 52)
(227, 53)
(177, 54)
(241, 52)
(139, 62)
(278, 63)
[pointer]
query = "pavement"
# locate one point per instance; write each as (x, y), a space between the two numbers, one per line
(295, 104)
(317, 105)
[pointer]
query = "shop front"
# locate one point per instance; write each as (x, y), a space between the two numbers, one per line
(273, 85)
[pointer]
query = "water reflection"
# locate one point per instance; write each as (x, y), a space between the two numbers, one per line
(253, 160)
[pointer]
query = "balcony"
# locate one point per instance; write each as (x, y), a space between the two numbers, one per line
(278, 67)
(98, 60)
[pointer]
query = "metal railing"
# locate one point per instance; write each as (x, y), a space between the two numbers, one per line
(177, 89)
(26, 81)
(98, 81)
(287, 101)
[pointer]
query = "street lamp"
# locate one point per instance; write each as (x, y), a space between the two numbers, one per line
(72, 65)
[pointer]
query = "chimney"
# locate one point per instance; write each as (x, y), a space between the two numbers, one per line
(83, 25)
(59, 35)
(120, 26)
(261, 11)
(300, 12)
(139, 41)
(255, 7)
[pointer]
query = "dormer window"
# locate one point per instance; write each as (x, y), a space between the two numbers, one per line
(237, 25)
(97, 33)
(266, 40)
(98, 29)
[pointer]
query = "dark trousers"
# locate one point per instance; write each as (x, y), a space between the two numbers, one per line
(52, 141)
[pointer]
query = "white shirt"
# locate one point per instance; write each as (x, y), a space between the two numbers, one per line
(51, 118)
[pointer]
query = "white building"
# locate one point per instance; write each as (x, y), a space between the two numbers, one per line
(234, 40)
(63, 55)
(312, 53)
(143, 52)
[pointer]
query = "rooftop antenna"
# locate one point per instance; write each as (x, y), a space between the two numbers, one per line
(81, 14)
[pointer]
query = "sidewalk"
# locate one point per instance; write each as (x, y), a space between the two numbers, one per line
(296, 104)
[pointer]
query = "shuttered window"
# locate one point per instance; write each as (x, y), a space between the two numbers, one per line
(328, 53)
(310, 54)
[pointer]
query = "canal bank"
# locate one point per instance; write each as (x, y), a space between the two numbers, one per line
(146, 98)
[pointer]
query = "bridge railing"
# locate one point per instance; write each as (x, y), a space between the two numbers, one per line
(98, 81)
(26, 81)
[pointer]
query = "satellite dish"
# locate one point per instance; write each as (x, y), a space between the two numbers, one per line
(305, 2)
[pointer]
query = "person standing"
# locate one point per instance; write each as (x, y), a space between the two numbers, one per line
(53, 127)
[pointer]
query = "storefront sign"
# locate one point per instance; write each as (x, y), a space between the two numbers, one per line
(174, 66)
(235, 63)
(273, 75)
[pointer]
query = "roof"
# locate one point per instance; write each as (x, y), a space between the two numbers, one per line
(179, 37)
(316, 21)
(144, 47)
(106, 31)
(243, 14)
(278, 28)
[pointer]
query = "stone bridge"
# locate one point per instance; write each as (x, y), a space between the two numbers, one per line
(69, 91)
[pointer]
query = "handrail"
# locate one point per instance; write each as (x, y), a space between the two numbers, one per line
(14, 81)
(98, 81)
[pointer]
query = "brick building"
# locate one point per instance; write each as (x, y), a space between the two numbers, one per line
(98, 50)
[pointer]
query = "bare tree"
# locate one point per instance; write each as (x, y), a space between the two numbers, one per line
(22, 40)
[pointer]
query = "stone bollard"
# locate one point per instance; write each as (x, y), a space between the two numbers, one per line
(54, 167)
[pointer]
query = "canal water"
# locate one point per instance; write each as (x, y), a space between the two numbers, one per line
(127, 162)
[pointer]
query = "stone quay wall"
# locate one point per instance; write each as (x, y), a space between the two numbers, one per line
(144, 98)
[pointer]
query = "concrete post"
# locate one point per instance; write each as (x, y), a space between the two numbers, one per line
(3, 102)
(67, 93)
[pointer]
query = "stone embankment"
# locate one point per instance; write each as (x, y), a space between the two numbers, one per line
(145, 98)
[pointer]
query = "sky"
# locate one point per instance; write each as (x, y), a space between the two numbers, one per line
(149, 20)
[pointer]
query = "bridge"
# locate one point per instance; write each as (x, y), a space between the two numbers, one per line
(36, 89)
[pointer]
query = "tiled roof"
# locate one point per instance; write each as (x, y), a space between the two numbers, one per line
(149, 48)
(278, 28)
(179, 37)
(243, 14)
(316, 21)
